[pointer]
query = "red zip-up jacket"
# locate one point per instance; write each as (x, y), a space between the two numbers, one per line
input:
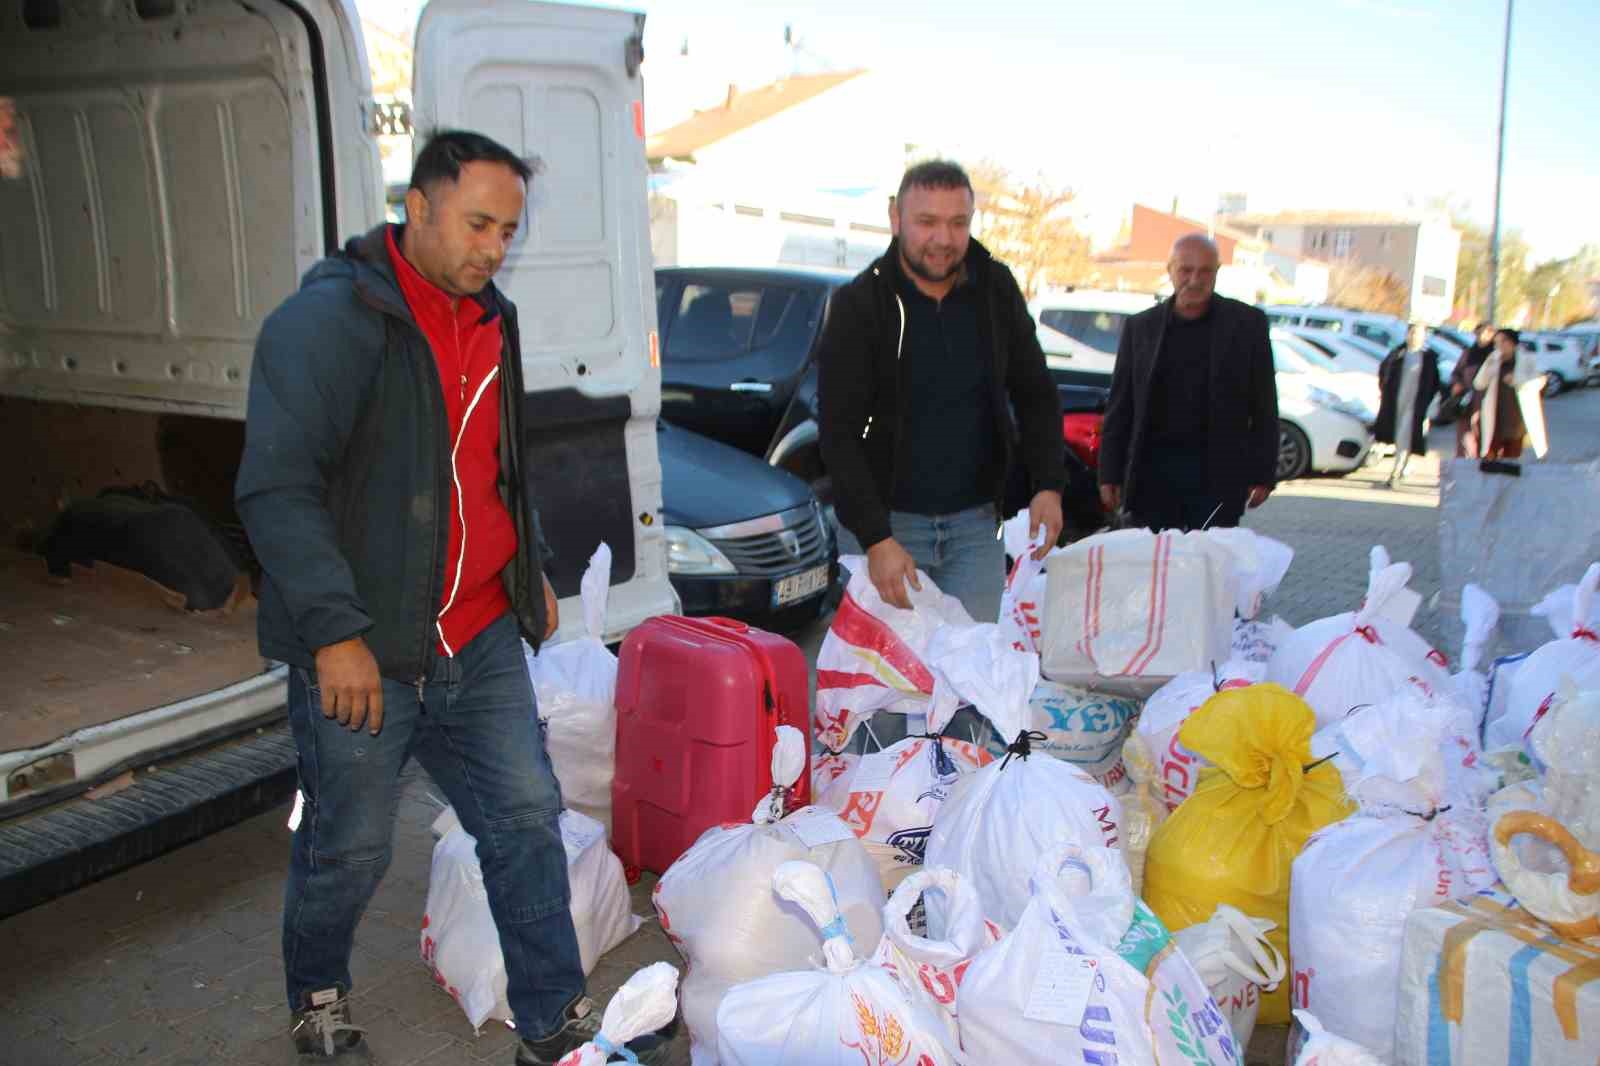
(466, 345)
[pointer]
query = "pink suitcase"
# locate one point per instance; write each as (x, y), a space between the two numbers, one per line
(697, 702)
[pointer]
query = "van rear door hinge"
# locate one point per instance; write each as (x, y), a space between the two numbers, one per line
(633, 50)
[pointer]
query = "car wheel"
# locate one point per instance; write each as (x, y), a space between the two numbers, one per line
(1553, 383)
(1294, 452)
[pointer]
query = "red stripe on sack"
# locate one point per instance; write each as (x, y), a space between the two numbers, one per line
(1544, 709)
(1165, 553)
(1585, 633)
(1099, 586)
(1317, 664)
(1150, 617)
(838, 679)
(855, 625)
(1088, 606)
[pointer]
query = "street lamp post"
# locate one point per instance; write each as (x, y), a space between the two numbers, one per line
(1499, 168)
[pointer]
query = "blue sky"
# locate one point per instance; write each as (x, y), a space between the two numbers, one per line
(1300, 103)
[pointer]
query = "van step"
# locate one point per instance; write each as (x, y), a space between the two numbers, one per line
(50, 852)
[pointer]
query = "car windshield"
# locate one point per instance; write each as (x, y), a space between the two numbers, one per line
(1286, 360)
(1100, 330)
(1310, 356)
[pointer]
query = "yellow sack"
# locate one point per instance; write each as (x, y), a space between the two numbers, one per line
(1235, 838)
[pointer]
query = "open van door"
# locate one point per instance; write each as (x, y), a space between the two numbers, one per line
(560, 86)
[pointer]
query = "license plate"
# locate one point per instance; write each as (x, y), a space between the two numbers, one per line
(797, 587)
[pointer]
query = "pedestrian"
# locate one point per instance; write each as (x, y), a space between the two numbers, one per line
(925, 357)
(1507, 409)
(384, 490)
(1191, 428)
(1463, 395)
(1408, 380)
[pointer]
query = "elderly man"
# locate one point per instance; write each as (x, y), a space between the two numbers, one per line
(1191, 429)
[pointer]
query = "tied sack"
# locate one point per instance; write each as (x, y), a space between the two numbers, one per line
(1361, 657)
(873, 656)
(1131, 609)
(1177, 768)
(1090, 975)
(1414, 843)
(1575, 654)
(460, 944)
(646, 1002)
(1255, 807)
(1479, 616)
(717, 907)
(575, 684)
(930, 968)
(1237, 962)
(1080, 727)
(844, 1013)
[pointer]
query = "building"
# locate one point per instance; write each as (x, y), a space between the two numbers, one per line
(1420, 251)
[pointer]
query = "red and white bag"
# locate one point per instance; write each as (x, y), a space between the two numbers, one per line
(645, 1002)
(1575, 653)
(1362, 657)
(1131, 609)
(1176, 767)
(873, 658)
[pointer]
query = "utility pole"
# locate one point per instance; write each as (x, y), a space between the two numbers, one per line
(1499, 169)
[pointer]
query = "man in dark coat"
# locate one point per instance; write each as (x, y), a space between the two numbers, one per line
(1408, 379)
(1191, 428)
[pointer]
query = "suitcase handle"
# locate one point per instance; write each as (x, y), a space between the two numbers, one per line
(727, 623)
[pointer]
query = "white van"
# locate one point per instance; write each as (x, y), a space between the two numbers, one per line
(1387, 330)
(184, 162)
(1079, 330)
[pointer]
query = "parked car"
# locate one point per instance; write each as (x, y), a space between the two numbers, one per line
(1561, 357)
(738, 365)
(1351, 353)
(1318, 429)
(744, 539)
(1079, 331)
(1353, 383)
(1386, 330)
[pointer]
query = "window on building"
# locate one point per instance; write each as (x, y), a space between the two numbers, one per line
(1432, 286)
(1341, 244)
(1266, 235)
(1385, 239)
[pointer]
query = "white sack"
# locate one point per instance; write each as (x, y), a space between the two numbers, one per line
(873, 656)
(1576, 654)
(646, 1002)
(844, 1014)
(459, 941)
(1081, 727)
(1232, 955)
(575, 684)
(1024, 591)
(1088, 975)
(1259, 565)
(1479, 615)
(1177, 769)
(1322, 1048)
(1256, 641)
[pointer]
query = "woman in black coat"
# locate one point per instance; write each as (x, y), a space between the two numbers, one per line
(1408, 380)
(1462, 393)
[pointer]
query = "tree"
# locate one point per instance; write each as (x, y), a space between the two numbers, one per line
(1472, 274)
(1558, 290)
(1366, 288)
(1025, 224)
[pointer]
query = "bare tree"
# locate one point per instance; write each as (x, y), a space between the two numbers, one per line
(1026, 225)
(1366, 288)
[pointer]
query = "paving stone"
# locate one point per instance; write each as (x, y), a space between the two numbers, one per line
(394, 1043)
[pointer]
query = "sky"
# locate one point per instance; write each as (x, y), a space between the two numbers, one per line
(1300, 104)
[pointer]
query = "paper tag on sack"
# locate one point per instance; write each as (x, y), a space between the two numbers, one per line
(1061, 988)
(816, 826)
(581, 834)
(873, 772)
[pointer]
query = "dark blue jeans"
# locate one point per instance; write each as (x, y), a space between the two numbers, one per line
(475, 731)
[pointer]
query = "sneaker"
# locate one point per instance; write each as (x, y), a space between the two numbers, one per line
(322, 1029)
(580, 1026)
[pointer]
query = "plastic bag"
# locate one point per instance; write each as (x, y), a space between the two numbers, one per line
(646, 1002)
(716, 903)
(873, 656)
(930, 968)
(459, 941)
(1322, 1048)
(1234, 839)
(1177, 768)
(575, 683)
(1024, 591)
(1130, 609)
(1142, 808)
(1575, 654)
(1237, 962)
(1361, 657)
(1259, 565)
(1089, 975)
(845, 1014)
(889, 798)
(1479, 615)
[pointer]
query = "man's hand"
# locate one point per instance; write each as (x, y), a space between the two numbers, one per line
(352, 690)
(1111, 497)
(889, 566)
(1457, 389)
(1045, 510)
(552, 610)
(1258, 495)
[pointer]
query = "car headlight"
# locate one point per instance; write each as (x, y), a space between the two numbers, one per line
(690, 553)
(1332, 401)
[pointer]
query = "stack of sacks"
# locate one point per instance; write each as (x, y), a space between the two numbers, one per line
(646, 1002)
(1361, 657)
(997, 821)
(575, 685)
(1575, 653)
(1089, 975)
(930, 968)
(1414, 843)
(1255, 807)
(873, 658)
(1233, 956)
(717, 907)
(844, 1014)
(460, 943)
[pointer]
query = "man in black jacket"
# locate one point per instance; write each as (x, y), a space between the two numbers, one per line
(383, 489)
(929, 368)
(1191, 428)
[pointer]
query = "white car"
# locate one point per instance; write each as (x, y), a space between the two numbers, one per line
(1353, 382)
(1385, 330)
(1561, 359)
(1350, 352)
(1080, 330)
(1318, 428)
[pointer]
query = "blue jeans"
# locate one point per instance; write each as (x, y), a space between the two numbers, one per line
(964, 556)
(475, 731)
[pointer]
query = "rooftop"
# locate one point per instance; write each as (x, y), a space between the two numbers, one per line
(1324, 218)
(739, 111)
